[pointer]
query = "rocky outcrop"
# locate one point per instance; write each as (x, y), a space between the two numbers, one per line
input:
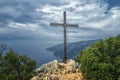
(56, 70)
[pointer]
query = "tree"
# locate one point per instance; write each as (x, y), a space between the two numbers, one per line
(101, 61)
(2, 49)
(16, 67)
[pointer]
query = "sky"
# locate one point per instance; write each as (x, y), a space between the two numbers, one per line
(25, 23)
(30, 19)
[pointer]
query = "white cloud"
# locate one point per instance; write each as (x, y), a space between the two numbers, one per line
(86, 13)
(29, 26)
(81, 10)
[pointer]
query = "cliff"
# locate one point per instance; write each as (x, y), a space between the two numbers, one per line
(56, 70)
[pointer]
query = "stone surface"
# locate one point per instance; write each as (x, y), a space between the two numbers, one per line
(35, 78)
(56, 70)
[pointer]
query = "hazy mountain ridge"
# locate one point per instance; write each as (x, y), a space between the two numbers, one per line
(73, 48)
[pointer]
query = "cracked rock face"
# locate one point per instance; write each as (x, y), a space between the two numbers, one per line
(56, 70)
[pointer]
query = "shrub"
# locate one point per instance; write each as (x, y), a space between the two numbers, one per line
(101, 61)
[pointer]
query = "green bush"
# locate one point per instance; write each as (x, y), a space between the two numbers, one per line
(15, 67)
(101, 61)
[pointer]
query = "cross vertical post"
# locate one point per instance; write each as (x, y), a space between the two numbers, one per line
(65, 36)
(65, 40)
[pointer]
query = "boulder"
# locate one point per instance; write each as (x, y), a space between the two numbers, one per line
(49, 67)
(56, 70)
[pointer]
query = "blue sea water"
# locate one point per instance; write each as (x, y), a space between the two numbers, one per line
(33, 49)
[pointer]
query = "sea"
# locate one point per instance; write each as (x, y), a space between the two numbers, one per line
(36, 50)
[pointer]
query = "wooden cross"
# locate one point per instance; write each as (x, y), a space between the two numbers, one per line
(65, 25)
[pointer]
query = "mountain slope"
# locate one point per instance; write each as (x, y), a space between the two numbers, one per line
(72, 48)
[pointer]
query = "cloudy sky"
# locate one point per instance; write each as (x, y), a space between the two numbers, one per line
(26, 22)
(29, 19)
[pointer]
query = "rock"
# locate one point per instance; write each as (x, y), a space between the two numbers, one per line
(35, 78)
(46, 78)
(56, 70)
(51, 66)
(54, 77)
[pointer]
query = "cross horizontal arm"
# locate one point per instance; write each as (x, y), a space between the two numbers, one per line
(72, 25)
(56, 24)
(60, 24)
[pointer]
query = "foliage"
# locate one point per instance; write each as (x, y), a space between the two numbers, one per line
(101, 61)
(14, 66)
